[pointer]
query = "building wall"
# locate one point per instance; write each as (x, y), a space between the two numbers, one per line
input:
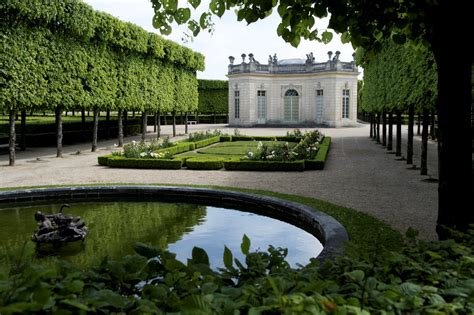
(331, 83)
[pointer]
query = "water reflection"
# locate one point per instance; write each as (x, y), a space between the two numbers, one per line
(115, 226)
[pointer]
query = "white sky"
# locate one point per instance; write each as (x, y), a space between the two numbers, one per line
(230, 38)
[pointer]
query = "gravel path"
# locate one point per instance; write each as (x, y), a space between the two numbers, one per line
(359, 174)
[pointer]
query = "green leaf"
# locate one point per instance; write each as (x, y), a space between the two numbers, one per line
(228, 258)
(182, 15)
(345, 38)
(145, 250)
(217, 7)
(75, 286)
(245, 246)
(76, 304)
(200, 256)
(409, 289)
(355, 275)
(194, 3)
(326, 36)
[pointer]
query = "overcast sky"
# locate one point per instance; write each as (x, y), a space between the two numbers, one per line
(230, 38)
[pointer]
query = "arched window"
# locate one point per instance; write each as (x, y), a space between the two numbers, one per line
(291, 110)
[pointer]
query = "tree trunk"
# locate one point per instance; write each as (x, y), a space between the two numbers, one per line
(144, 125)
(411, 120)
(158, 125)
(455, 189)
(418, 125)
(398, 150)
(197, 117)
(23, 131)
(174, 123)
(12, 140)
(377, 132)
(424, 143)
(59, 132)
(164, 119)
(215, 118)
(186, 123)
(433, 124)
(107, 123)
(125, 122)
(390, 132)
(95, 130)
(73, 113)
(155, 123)
(83, 124)
(371, 126)
(120, 128)
(384, 129)
(133, 113)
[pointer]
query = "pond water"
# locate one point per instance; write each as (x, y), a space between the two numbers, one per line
(115, 226)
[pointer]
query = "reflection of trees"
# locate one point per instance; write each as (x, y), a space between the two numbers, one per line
(114, 227)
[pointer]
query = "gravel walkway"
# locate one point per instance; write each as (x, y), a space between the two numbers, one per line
(359, 174)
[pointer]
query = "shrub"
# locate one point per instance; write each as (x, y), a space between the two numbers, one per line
(319, 161)
(204, 164)
(102, 160)
(247, 165)
(294, 133)
(265, 138)
(206, 142)
(225, 138)
(199, 135)
(122, 162)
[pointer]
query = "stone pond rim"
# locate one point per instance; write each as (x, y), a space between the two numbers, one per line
(328, 230)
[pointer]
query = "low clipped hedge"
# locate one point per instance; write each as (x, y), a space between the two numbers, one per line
(319, 161)
(103, 160)
(285, 166)
(206, 142)
(123, 162)
(266, 138)
(225, 138)
(204, 164)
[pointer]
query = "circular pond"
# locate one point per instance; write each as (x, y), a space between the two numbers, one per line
(177, 218)
(116, 226)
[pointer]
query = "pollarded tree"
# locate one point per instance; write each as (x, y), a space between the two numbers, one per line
(22, 79)
(434, 24)
(186, 93)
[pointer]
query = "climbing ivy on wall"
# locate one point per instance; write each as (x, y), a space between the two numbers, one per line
(213, 96)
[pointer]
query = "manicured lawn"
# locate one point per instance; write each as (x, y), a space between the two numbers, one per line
(233, 149)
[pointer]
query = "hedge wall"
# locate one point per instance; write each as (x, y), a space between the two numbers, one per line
(213, 96)
(63, 53)
(144, 163)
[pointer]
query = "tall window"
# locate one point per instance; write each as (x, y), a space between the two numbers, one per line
(345, 103)
(291, 110)
(261, 104)
(319, 105)
(237, 104)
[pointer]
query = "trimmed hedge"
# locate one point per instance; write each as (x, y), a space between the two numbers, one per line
(204, 164)
(234, 165)
(225, 138)
(144, 163)
(206, 142)
(180, 147)
(104, 159)
(320, 160)
(266, 138)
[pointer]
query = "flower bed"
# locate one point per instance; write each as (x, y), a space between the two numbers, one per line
(268, 154)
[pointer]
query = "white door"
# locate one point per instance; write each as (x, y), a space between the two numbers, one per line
(291, 110)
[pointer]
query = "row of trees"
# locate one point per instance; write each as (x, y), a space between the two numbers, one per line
(62, 55)
(398, 80)
(435, 25)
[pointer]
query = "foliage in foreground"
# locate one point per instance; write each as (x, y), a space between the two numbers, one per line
(421, 278)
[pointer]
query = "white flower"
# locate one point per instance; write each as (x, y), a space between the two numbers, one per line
(143, 154)
(250, 154)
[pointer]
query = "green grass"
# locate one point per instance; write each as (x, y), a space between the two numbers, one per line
(366, 232)
(238, 148)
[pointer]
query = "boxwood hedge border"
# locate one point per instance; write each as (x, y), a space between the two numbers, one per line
(203, 163)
